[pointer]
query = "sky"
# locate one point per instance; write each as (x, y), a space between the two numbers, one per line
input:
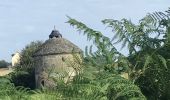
(23, 21)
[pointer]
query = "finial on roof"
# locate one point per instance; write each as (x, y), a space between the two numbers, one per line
(55, 33)
(54, 27)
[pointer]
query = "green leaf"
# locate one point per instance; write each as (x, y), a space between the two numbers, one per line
(163, 60)
(148, 60)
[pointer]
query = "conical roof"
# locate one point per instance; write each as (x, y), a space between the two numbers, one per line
(55, 33)
(57, 45)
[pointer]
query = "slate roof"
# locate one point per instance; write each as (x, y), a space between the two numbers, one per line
(57, 46)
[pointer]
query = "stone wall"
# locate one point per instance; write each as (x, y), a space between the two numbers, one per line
(52, 67)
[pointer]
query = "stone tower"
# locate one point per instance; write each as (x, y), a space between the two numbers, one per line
(51, 60)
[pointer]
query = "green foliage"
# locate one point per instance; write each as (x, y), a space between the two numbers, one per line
(23, 78)
(4, 64)
(99, 74)
(24, 74)
(93, 83)
(133, 36)
(100, 77)
(28, 51)
(148, 45)
(161, 20)
(105, 49)
(9, 92)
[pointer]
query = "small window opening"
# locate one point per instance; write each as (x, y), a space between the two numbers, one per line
(63, 59)
(42, 82)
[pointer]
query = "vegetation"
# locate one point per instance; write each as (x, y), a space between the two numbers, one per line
(24, 72)
(101, 74)
(148, 45)
(4, 64)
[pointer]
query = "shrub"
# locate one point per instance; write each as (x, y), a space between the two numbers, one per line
(24, 74)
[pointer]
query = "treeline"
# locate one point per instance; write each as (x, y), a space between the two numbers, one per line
(4, 64)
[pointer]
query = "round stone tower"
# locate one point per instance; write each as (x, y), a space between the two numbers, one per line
(52, 60)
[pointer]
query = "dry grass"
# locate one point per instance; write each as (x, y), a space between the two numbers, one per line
(5, 71)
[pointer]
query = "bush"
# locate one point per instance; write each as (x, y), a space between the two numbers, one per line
(23, 74)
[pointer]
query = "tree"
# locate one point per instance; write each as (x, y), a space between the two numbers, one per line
(149, 47)
(102, 69)
(4, 64)
(24, 74)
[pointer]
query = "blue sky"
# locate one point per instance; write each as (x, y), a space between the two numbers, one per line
(23, 21)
